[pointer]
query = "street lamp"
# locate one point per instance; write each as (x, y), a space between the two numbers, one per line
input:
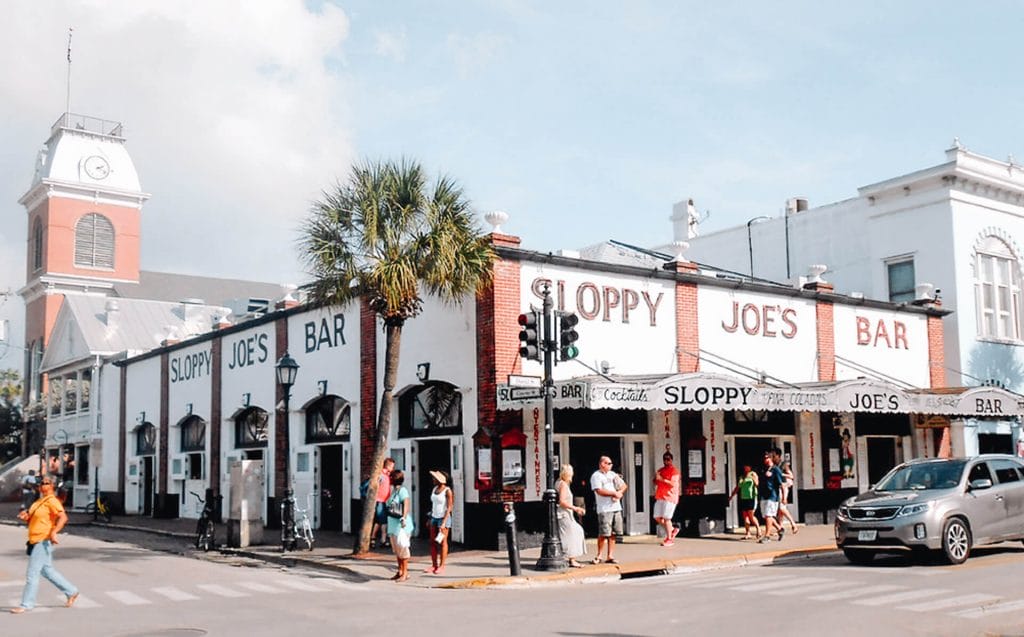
(750, 242)
(287, 369)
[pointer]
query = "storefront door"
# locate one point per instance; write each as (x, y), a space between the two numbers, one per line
(745, 451)
(883, 453)
(432, 455)
(146, 470)
(332, 487)
(584, 453)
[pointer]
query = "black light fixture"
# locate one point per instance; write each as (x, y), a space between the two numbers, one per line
(287, 369)
(423, 372)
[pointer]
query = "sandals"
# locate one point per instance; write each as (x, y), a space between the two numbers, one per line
(17, 610)
(574, 564)
(596, 560)
(610, 560)
(71, 600)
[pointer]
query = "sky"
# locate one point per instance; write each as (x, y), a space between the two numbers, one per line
(583, 120)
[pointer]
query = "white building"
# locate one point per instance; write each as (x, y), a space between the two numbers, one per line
(958, 226)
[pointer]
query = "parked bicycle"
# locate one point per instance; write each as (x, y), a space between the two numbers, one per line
(295, 524)
(99, 508)
(205, 532)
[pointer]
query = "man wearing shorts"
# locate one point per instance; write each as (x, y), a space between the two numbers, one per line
(608, 488)
(666, 497)
(380, 517)
(768, 490)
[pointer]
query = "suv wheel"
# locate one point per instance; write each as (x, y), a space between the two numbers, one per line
(859, 556)
(956, 541)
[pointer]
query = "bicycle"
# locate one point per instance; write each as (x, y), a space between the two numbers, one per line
(205, 532)
(292, 530)
(99, 507)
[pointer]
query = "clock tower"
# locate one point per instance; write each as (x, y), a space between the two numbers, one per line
(84, 208)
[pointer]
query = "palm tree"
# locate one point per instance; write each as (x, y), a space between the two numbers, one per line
(386, 235)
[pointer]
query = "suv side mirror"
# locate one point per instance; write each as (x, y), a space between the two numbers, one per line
(982, 483)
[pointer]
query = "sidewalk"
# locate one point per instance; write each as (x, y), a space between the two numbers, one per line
(636, 556)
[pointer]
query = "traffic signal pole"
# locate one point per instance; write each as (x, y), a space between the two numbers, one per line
(551, 556)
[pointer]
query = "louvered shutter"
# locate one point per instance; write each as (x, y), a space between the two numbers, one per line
(94, 242)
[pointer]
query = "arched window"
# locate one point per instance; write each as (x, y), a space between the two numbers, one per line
(193, 434)
(434, 408)
(37, 245)
(251, 428)
(997, 290)
(145, 439)
(328, 418)
(94, 242)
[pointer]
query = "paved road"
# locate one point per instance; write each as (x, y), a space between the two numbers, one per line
(128, 590)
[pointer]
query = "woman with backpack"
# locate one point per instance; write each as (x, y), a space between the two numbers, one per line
(400, 524)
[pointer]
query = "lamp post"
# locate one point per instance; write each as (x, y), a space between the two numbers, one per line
(750, 241)
(287, 369)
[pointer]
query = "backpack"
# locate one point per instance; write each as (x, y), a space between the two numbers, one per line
(364, 488)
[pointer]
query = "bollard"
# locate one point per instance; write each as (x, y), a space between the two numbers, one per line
(510, 540)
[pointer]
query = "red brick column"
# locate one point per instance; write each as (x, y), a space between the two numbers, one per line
(281, 417)
(367, 386)
(824, 313)
(497, 350)
(687, 331)
(936, 352)
(216, 347)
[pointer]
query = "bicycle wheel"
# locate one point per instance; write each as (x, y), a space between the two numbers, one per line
(208, 535)
(307, 536)
(104, 510)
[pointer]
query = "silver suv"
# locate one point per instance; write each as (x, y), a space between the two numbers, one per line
(949, 505)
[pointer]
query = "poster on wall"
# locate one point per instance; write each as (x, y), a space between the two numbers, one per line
(483, 463)
(695, 462)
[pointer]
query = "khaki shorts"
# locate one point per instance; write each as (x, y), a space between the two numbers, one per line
(664, 509)
(609, 523)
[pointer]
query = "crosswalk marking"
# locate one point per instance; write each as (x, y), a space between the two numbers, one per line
(776, 583)
(902, 597)
(128, 598)
(861, 592)
(13, 582)
(812, 588)
(722, 582)
(963, 600)
(337, 583)
(261, 588)
(300, 586)
(994, 609)
(223, 591)
(84, 602)
(174, 594)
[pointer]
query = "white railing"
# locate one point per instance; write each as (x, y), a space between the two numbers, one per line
(87, 123)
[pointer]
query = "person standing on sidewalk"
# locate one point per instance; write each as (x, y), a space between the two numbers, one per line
(574, 543)
(608, 489)
(746, 489)
(666, 497)
(788, 483)
(45, 519)
(768, 490)
(441, 503)
(28, 489)
(380, 520)
(400, 524)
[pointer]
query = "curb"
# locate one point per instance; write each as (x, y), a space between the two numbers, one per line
(605, 573)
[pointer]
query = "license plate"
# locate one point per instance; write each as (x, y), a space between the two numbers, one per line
(867, 536)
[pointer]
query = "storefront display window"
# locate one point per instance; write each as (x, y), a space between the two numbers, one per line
(329, 418)
(434, 408)
(193, 434)
(251, 428)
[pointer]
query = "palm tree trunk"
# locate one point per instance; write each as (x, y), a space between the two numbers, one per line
(392, 345)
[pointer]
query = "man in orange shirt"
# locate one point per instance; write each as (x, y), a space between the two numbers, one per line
(666, 497)
(45, 519)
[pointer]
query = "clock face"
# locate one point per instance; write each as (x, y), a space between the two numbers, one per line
(96, 167)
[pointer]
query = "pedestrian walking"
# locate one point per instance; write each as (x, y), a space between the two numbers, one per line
(380, 517)
(788, 483)
(746, 489)
(769, 486)
(570, 532)
(45, 519)
(441, 503)
(28, 489)
(666, 497)
(608, 489)
(400, 524)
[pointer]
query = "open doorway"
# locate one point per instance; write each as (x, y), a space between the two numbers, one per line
(584, 453)
(748, 451)
(432, 455)
(332, 487)
(147, 485)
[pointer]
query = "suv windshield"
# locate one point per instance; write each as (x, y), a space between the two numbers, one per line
(942, 474)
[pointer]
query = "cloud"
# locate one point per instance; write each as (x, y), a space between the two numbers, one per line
(473, 53)
(390, 44)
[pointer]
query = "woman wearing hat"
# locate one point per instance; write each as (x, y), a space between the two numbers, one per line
(441, 500)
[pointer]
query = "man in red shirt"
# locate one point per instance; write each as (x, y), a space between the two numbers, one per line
(380, 518)
(666, 497)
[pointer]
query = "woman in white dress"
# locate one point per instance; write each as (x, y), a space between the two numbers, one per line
(574, 544)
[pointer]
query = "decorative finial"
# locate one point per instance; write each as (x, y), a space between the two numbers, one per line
(956, 144)
(496, 218)
(679, 247)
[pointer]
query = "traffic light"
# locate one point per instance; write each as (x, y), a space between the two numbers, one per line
(529, 335)
(567, 335)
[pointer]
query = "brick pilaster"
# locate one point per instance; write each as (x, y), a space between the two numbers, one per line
(936, 352)
(367, 386)
(687, 330)
(281, 416)
(216, 347)
(824, 313)
(122, 426)
(163, 469)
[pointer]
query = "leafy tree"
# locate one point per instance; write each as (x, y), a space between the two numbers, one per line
(10, 414)
(386, 235)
